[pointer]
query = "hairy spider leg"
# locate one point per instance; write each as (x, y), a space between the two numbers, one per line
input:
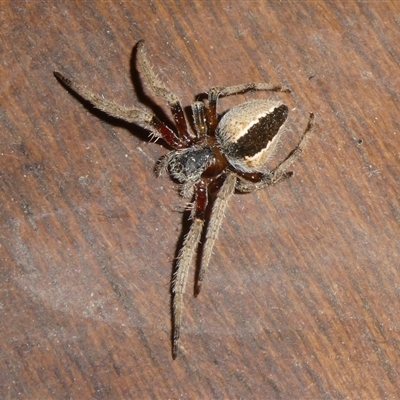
(138, 115)
(249, 182)
(132, 115)
(185, 257)
(200, 119)
(157, 87)
(225, 193)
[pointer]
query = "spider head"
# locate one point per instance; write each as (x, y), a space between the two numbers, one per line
(248, 133)
(187, 165)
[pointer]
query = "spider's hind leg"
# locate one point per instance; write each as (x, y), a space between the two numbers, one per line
(280, 173)
(191, 243)
(225, 193)
(281, 169)
(185, 258)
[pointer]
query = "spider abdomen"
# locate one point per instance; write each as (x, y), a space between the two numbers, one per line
(248, 133)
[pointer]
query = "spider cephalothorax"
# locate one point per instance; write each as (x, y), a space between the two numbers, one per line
(222, 156)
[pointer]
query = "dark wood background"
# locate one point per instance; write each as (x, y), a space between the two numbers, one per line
(302, 298)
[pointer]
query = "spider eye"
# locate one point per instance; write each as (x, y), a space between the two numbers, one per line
(248, 133)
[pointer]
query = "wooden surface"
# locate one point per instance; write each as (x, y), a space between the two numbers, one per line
(302, 298)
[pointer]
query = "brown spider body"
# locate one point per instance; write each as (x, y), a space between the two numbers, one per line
(222, 156)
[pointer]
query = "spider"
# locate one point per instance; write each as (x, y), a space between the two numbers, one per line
(222, 156)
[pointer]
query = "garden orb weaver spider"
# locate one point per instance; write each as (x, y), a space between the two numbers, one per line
(220, 157)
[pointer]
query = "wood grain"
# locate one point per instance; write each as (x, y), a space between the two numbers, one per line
(302, 298)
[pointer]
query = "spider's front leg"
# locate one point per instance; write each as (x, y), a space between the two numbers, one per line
(139, 115)
(186, 255)
(159, 89)
(132, 115)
